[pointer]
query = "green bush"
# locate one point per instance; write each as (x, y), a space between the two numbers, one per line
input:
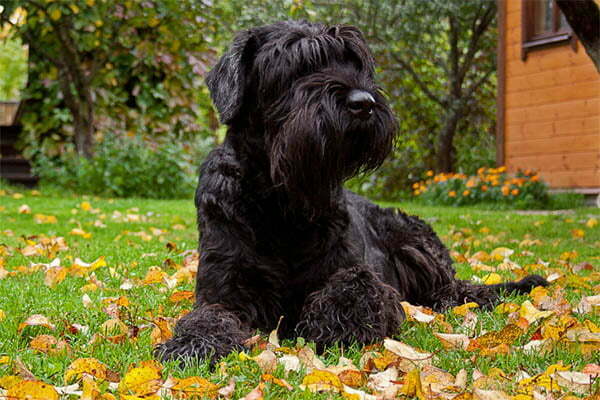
(124, 167)
(489, 185)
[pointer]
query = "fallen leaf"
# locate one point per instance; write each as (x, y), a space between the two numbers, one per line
(381, 381)
(267, 361)
(54, 276)
(506, 335)
(89, 366)
(33, 390)
(321, 381)
(277, 381)
(480, 394)
(36, 320)
(193, 387)
(462, 310)
(532, 314)
(412, 385)
(255, 394)
(48, 344)
(453, 340)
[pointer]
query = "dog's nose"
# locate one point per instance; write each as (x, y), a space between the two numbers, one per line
(360, 103)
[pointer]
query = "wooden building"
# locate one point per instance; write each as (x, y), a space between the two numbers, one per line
(548, 97)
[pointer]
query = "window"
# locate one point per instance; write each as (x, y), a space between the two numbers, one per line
(543, 24)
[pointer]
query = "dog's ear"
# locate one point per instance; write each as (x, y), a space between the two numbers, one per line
(227, 80)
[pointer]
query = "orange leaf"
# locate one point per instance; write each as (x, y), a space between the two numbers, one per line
(181, 295)
(48, 344)
(279, 382)
(352, 378)
(506, 335)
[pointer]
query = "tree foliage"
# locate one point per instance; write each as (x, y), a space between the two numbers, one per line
(100, 67)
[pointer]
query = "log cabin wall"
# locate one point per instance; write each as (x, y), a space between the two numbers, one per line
(548, 107)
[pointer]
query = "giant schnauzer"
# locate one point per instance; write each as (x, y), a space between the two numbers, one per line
(280, 236)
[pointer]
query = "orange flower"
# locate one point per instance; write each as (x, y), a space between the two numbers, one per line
(514, 192)
(452, 193)
(501, 169)
(535, 178)
(429, 173)
(505, 190)
(415, 185)
(484, 188)
(466, 193)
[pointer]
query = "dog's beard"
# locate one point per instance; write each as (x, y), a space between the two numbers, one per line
(314, 150)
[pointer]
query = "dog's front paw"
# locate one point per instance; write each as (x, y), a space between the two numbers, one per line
(529, 282)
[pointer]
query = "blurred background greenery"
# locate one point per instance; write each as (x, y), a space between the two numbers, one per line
(101, 78)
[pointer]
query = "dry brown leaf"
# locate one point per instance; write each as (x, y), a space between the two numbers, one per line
(255, 394)
(48, 344)
(381, 381)
(267, 361)
(352, 378)
(480, 394)
(578, 382)
(409, 356)
(453, 340)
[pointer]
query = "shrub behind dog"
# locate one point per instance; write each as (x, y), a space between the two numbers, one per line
(124, 167)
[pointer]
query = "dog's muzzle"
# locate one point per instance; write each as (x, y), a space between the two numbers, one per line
(360, 103)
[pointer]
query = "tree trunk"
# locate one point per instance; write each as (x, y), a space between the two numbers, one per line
(444, 158)
(584, 18)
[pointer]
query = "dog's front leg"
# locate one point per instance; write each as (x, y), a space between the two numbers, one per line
(209, 331)
(353, 306)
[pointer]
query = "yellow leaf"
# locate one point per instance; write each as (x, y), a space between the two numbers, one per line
(85, 206)
(141, 381)
(279, 382)
(556, 328)
(500, 253)
(592, 222)
(154, 275)
(80, 232)
(90, 389)
(89, 366)
(532, 314)
(54, 276)
(492, 279)
(322, 381)
(44, 219)
(24, 209)
(8, 381)
(412, 385)
(507, 308)
(462, 310)
(578, 233)
(195, 387)
(507, 335)
(2, 315)
(32, 390)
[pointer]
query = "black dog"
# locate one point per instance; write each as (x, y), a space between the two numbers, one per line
(279, 234)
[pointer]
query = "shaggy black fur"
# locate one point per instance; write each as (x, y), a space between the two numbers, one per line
(279, 234)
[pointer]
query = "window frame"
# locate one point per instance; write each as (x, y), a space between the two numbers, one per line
(531, 41)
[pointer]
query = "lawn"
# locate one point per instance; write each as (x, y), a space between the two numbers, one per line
(112, 287)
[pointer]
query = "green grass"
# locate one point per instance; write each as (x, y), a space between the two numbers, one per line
(465, 230)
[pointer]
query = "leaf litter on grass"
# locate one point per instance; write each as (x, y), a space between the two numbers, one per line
(562, 317)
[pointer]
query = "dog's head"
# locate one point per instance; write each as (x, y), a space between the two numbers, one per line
(308, 90)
